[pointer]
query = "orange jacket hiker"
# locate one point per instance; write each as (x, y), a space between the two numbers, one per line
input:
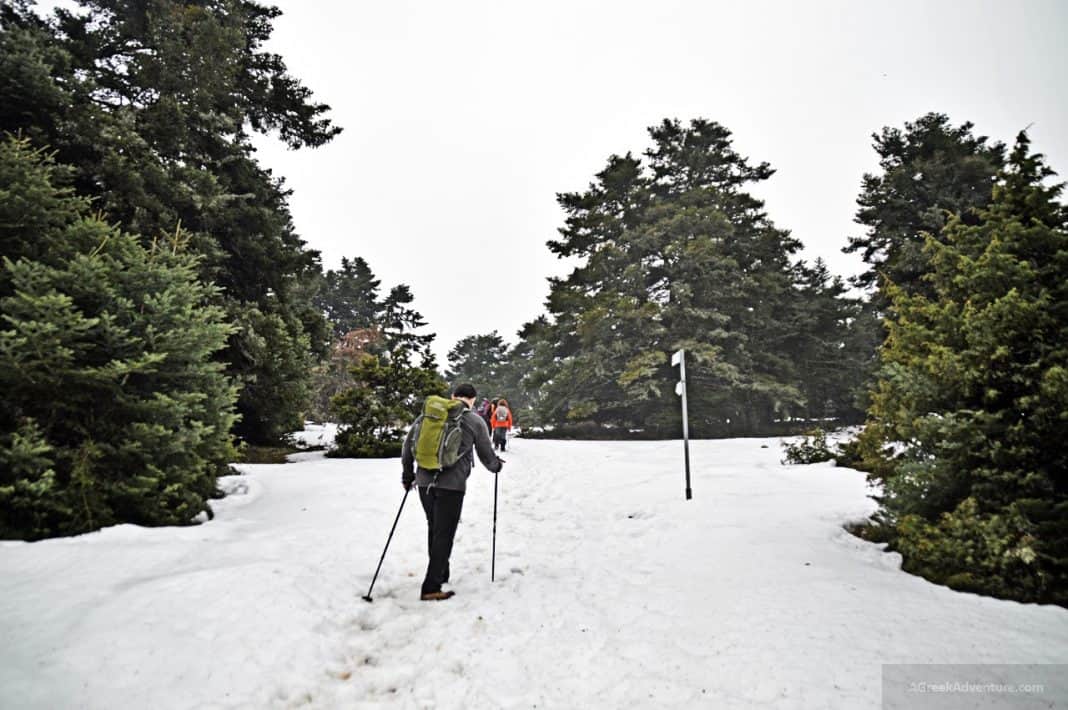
(499, 423)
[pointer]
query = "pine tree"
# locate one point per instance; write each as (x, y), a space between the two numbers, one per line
(399, 323)
(481, 360)
(276, 361)
(159, 137)
(375, 413)
(373, 337)
(497, 370)
(677, 254)
(973, 392)
(528, 377)
(596, 300)
(828, 345)
(930, 170)
(349, 297)
(394, 372)
(113, 408)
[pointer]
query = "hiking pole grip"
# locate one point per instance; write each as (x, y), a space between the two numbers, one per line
(367, 597)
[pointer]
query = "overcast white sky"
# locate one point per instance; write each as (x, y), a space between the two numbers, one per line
(464, 119)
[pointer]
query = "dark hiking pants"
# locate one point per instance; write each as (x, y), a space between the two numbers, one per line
(442, 508)
(500, 437)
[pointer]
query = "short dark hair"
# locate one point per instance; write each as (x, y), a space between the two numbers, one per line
(465, 390)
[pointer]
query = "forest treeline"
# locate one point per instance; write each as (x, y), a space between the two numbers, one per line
(159, 310)
(160, 313)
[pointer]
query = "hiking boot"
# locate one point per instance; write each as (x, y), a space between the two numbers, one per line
(436, 596)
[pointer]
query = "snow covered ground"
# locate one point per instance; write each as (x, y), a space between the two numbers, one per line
(612, 591)
(315, 435)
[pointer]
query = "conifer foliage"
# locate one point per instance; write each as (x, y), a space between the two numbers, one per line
(381, 367)
(931, 169)
(481, 360)
(973, 395)
(375, 413)
(113, 409)
(151, 104)
(349, 297)
(675, 253)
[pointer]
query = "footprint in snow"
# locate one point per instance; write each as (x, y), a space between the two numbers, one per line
(365, 623)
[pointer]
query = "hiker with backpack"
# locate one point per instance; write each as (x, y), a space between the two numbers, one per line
(437, 457)
(485, 410)
(502, 423)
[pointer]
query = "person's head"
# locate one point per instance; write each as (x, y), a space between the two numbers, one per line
(502, 401)
(465, 392)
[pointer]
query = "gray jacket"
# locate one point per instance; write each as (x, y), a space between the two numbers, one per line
(474, 437)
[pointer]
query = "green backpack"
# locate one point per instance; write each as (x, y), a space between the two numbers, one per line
(438, 433)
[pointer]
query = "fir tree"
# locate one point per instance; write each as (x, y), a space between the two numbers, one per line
(828, 343)
(481, 360)
(393, 372)
(159, 137)
(375, 413)
(113, 409)
(528, 377)
(399, 323)
(930, 170)
(591, 303)
(349, 297)
(677, 254)
(497, 370)
(973, 392)
(277, 360)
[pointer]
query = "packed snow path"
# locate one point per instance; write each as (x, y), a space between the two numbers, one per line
(612, 591)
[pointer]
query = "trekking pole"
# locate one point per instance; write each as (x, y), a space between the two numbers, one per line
(493, 558)
(367, 597)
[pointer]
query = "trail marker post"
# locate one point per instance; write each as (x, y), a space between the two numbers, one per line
(679, 360)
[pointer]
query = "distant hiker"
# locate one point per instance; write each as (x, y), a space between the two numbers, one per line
(502, 423)
(437, 458)
(485, 410)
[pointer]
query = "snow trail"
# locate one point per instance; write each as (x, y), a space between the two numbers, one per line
(611, 591)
